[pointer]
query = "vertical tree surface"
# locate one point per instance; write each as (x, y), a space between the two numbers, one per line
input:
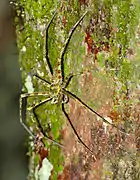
(102, 56)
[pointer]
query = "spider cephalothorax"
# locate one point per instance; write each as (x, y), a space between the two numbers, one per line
(58, 96)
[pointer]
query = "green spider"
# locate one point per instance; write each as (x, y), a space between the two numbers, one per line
(58, 93)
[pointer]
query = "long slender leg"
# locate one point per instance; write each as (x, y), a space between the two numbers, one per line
(22, 96)
(89, 108)
(81, 141)
(42, 79)
(21, 120)
(39, 124)
(46, 46)
(67, 43)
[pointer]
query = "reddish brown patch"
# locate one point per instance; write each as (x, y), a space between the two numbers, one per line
(89, 41)
(79, 160)
(40, 149)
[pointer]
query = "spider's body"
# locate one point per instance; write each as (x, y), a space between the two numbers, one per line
(57, 93)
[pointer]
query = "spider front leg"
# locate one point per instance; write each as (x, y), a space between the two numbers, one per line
(46, 52)
(63, 52)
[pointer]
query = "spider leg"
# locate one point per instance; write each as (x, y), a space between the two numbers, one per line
(42, 79)
(70, 78)
(46, 46)
(81, 141)
(39, 124)
(89, 108)
(23, 96)
(67, 43)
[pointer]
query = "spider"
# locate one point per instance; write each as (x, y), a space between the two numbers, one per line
(58, 93)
